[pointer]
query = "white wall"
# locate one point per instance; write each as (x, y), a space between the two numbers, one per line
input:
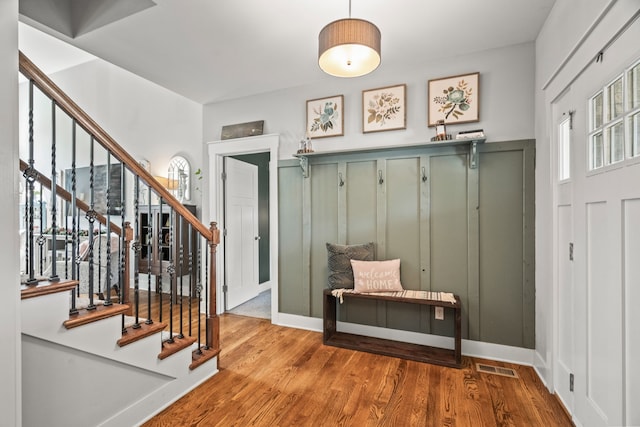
(506, 105)
(11, 367)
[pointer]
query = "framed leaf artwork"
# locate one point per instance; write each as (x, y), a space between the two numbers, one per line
(384, 109)
(325, 117)
(454, 99)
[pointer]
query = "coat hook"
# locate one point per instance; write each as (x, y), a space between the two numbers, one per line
(380, 180)
(424, 174)
(340, 180)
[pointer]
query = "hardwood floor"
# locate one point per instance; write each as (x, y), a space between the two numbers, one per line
(276, 376)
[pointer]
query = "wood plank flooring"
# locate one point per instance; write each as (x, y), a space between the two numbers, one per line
(276, 376)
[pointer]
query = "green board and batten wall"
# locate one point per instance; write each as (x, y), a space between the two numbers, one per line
(457, 229)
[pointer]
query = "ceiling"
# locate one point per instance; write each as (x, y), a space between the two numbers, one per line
(210, 51)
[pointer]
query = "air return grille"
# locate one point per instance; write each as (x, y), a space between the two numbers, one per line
(496, 370)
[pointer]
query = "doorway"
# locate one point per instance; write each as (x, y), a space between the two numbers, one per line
(218, 151)
(247, 257)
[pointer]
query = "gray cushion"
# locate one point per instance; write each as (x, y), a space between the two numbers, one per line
(339, 262)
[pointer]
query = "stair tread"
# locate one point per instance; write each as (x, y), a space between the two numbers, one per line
(169, 348)
(85, 316)
(46, 287)
(201, 355)
(131, 334)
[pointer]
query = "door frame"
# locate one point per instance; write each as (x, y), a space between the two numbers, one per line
(218, 150)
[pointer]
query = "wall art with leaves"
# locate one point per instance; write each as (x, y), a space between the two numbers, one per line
(384, 108)
(454, 99)
(325, 117)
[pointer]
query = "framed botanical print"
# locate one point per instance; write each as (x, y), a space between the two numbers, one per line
(325, 117)
(454, 99)
(384, 108)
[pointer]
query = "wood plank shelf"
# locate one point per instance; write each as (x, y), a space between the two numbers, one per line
(418, 352)
(472, 143)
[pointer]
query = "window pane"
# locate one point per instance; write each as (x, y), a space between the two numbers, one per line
(635, 135)
(597, 151)
(614, 91)
(634, 86)
(617, 142)
(564, 155)
(596, 111)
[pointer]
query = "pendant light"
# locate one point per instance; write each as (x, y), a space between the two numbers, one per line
(349, 47)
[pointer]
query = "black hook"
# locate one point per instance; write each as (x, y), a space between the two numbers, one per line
(340, 180)
(424, 174)
(380, 180)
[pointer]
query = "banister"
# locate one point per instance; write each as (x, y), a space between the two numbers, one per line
(65, 195)
(105, 140)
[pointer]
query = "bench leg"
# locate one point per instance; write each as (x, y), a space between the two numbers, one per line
(329, 324)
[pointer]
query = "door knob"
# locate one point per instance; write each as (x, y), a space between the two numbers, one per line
(257, 238)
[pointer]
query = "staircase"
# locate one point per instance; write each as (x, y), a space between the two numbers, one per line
(101, 345)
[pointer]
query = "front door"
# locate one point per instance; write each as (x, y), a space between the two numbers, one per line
(241, 224)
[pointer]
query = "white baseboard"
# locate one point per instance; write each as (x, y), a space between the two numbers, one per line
(504, 353)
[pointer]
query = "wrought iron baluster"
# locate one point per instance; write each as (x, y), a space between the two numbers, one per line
(206, 293)
(75, 223)
(137, 247)
(160, 258)
(54, 200)
(41, 239)
(171, 269)
(180, 262)
(123, 241)
(199, 297)
(191, 276)
(30, 176)
(91, 216)
(107, 278)
(149, 250)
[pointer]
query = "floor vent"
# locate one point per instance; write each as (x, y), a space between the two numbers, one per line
(496, 370)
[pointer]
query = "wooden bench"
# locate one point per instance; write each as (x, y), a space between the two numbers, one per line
(420, 353)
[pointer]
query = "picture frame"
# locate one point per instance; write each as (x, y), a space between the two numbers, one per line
(454, 99)
(384, 108)
(325, 117)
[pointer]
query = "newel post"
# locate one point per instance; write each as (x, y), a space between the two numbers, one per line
(213, 322)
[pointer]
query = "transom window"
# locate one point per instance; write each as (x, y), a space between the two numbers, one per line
(564, 149)
(614, 120)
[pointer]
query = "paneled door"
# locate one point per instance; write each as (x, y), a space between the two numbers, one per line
(563, 251)
(241, 225)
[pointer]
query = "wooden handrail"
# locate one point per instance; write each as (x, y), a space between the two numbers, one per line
(105, 140)
(65, 195)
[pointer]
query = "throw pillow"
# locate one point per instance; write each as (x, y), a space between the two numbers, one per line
(377, 276)
(339, 257)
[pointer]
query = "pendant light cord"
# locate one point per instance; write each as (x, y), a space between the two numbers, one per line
(349, 9)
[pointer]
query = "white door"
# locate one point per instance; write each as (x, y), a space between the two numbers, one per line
(241, 224)
(606, 214)
(563, 251)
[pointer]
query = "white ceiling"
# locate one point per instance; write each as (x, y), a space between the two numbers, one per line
(209, 50)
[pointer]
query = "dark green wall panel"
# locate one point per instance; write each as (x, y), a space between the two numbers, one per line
(361, 196)
(501, 247)
(448, 224)
(290, 262)
(361, 187)
(402, 187)
(324, 228)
